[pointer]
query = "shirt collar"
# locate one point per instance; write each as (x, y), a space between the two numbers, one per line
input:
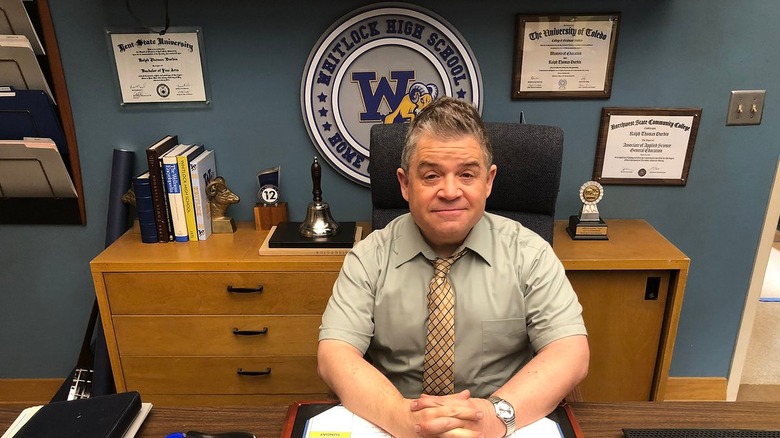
(479, 239)
(408, 242)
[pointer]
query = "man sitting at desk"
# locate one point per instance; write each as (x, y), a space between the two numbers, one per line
(519, 344)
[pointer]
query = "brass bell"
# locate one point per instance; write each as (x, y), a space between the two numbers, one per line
(319, 222)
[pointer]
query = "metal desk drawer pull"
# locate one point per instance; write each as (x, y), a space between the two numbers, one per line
(241, 372)
(245, 290)
(238, 332)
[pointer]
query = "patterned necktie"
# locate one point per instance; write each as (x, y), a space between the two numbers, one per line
(438, 366)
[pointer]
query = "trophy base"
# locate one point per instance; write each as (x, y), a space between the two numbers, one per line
(223, 225)
(267, 216)
(587, 230)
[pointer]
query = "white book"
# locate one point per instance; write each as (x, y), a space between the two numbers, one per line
(203, 170)
(14, 20)
(19, 67)
(170, 171)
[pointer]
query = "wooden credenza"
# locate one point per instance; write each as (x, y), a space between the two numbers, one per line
(214, 323)
(631, 289)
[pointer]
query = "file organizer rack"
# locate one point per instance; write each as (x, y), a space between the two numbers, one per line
(70, 211)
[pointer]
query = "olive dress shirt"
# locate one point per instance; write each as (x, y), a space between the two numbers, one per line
(512, 298)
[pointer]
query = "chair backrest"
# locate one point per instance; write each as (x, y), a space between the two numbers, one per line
(526, 186)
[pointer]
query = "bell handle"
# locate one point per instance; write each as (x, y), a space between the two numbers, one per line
(316, 178)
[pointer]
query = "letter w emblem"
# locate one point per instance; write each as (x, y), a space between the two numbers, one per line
(373, 98)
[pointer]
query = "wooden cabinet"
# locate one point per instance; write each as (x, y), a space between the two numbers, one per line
(631, 289)
(214, 323)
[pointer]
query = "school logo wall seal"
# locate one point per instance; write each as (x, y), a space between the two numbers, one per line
(380, 64)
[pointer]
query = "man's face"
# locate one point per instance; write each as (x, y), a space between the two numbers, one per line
(446, 187)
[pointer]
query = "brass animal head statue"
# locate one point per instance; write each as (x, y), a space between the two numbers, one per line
(220, 198)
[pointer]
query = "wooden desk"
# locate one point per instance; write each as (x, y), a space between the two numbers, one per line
(597, 420)
(606, 420)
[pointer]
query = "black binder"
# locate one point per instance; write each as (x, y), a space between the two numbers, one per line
(106, 416)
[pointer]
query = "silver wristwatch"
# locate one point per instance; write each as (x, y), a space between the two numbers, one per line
(505, 412)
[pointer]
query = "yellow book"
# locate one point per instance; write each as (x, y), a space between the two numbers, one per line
(183, 163)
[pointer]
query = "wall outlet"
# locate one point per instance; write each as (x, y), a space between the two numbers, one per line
(745, 107)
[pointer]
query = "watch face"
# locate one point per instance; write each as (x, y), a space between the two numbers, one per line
(504, 410)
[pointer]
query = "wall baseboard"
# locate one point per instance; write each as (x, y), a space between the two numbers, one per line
(695, 388)
(763, 392)
(28, 391)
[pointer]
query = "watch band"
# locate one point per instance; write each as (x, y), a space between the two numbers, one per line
(505, 412)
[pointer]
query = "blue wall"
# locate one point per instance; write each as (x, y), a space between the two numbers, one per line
(671, 53)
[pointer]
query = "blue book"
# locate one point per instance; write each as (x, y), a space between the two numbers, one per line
(145, 208)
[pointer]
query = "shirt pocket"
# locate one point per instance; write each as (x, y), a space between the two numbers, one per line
(504, 349)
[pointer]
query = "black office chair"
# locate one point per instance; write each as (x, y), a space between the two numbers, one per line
(526, 186)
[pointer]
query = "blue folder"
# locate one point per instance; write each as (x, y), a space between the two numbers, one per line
(29, 113)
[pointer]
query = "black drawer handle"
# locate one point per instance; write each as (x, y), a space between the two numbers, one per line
(241, 372)
(652, 288)
(245, 290)
(238, 332)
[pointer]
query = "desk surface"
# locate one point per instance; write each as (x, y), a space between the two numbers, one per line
(632, 244)
(597, 420)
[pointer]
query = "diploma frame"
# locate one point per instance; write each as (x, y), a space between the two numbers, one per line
(195, 75)
(652, 120)
(551, 88)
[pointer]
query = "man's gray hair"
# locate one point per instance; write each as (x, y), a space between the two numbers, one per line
(446, 118)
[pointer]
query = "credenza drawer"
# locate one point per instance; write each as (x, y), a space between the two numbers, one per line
(157, 293)
(210, 335)
(209, 375)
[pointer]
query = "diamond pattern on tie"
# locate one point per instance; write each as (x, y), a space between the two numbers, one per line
(439, 362)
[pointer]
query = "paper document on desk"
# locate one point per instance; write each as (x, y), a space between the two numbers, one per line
(542, 428)
(338, 422)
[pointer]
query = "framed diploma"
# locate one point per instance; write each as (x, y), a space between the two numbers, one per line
(649, 146)
(564, 56)
(159, 68)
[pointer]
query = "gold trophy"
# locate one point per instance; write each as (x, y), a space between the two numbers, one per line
(588, 225)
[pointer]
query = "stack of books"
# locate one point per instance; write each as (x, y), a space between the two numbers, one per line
(171, 195)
